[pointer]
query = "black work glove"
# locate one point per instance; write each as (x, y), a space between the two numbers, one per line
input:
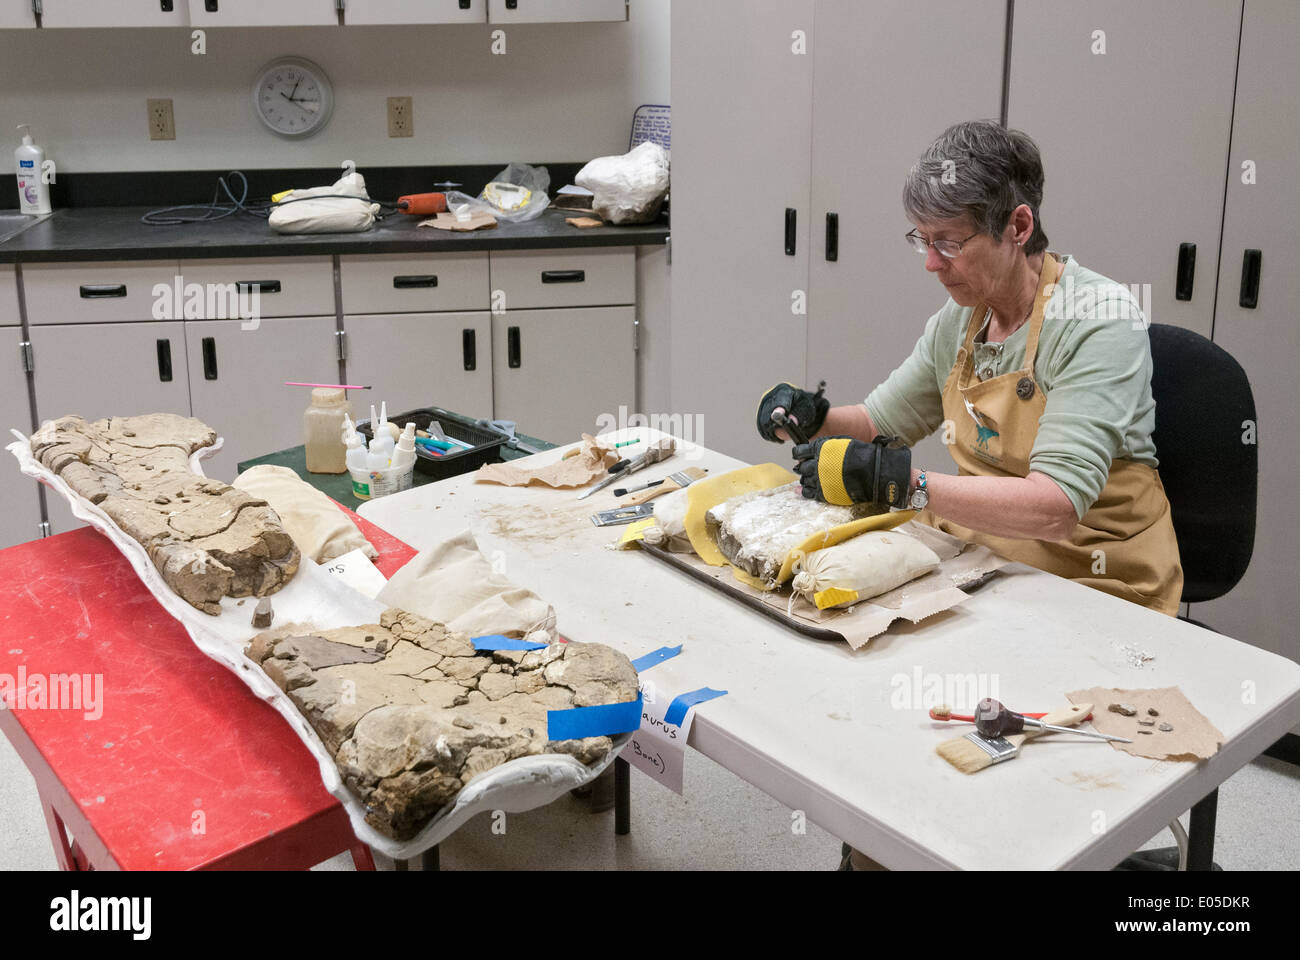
(809, 409)
(844, 471)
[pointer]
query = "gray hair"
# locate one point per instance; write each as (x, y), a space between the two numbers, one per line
(981, 170)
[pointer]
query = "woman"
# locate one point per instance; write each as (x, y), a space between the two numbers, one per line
(1037, 370)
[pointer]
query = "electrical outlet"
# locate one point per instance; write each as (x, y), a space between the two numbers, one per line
(162, 122)
(401, 122)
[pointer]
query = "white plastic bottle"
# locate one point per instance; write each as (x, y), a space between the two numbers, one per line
(33, 191)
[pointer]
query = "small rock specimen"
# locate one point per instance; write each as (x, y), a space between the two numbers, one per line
(207, 539)
(1147, 723)
(411, 712)
(1152, 712)
(1165, 728)
(263, 615)
(1127, 709)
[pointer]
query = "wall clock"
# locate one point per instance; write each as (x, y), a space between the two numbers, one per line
(293, 97)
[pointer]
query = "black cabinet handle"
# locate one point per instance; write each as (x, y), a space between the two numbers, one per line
(412, 281)
(1250, 264)
(165, 360)
(101, 291)
(512, 347)
(209, 358)
(469, 347)
(263, 286)
(790, 216)
(464, 4)
(832, 237)
(564, 276)
(512, 4)
(210, 6)
(1186, 271)
(166, 5)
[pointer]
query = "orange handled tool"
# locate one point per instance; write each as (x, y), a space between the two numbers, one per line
(422, 204)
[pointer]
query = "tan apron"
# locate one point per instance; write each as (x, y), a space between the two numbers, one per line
(1124, 545)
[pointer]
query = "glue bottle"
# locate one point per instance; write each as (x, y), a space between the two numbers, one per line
(322, 426)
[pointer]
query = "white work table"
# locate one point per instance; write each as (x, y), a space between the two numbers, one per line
(842, 735)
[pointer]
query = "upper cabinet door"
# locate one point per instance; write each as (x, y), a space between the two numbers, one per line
(119, 13)
(887, 82)
(1256, 317)
(16, 13)
(261, 13)
(415, 11)
(742, 75)
(1131, 104)
(555, 11)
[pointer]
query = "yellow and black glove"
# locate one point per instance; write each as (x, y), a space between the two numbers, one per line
(844, 471)
(808, 409)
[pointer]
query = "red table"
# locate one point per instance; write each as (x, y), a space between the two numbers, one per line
(185, 768)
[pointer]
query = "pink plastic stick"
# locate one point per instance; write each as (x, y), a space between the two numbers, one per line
(334, 386)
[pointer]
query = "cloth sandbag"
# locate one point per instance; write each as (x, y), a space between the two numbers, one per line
(320, 529)
(454, 584)
(669, 531)
(866, 566)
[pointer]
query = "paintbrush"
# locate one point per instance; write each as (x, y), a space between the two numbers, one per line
(972, 753)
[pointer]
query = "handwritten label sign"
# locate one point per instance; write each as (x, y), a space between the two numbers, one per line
(355, 569)
(658, 748)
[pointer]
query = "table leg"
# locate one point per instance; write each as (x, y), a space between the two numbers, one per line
(1200, 833)
(430, 861)
(59, 837)
(361, 858)
(622, 797)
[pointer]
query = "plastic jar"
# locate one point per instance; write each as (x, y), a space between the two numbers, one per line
(322, 431)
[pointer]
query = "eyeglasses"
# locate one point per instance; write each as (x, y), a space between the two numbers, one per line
(948, 248)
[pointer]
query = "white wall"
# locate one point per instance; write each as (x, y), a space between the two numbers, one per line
(562, 92)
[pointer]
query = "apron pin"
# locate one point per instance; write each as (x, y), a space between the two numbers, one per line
(1025, 388)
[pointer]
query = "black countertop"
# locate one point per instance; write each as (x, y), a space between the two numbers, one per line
(116, 233)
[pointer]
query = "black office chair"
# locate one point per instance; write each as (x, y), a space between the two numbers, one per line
(1204, 411)
(1204, 408)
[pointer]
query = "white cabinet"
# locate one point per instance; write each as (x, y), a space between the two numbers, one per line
(1131, 104)
(237, 380)
(262, 13)
(1265, 339)
(555, 11)
(581, 277)
(415, 282)
(97, 370)
(20, 519)
(106, 292)
(876, 105)
(742, 78)
(119, 13)
(16, 13)
(415, 11)
(554, 372)
(422, 359)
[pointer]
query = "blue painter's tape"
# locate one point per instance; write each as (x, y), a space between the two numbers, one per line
(655, 656)
(599, 721)
(496, 641)
(677, 709)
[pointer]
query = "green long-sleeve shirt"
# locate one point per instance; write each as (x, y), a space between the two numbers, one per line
(1093, 365)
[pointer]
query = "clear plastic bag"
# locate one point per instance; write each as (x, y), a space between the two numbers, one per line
(525, 202)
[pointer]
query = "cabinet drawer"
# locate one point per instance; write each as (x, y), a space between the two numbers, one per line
(555, 11)
(565, 278)
(8, 297)
(288, 286)
(404, 12)
(95, 292)
(415, 283)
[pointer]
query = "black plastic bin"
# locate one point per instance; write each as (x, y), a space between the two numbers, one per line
(487, 443)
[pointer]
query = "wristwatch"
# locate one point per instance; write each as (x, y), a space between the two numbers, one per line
(920, 495)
